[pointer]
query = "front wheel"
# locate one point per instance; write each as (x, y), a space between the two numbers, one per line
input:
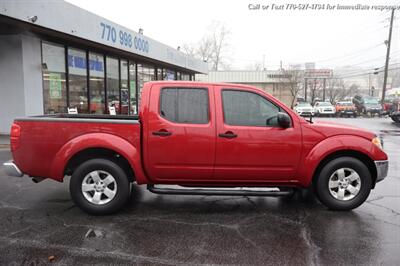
(395, 119)
(99, 187)
(343, 183)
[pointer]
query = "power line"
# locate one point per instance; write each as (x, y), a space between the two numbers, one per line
(350, 54)
(369, 73)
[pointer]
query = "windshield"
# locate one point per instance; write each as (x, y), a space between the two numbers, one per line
(303, 104)
(324, 104)
(371, 101)
(345, 103)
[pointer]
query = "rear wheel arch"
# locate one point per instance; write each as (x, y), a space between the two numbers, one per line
(99, 153)
(365, 159)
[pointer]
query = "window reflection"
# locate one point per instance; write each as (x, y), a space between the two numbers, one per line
(146, 73)
(169, 74)
(77, 80)
(185, 76)
(124, 87)
(132, 86)
(96, 83)
(112, 84)
(54, 85)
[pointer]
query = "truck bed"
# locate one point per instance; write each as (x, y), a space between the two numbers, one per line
(51, 135)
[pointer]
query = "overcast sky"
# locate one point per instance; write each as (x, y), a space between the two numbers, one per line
(329, 38)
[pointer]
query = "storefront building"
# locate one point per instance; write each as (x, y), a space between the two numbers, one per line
(55, 56)
(273, 82)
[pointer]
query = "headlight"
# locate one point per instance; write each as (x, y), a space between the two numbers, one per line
(377, 142)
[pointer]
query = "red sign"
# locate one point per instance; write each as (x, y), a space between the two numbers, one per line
(318, 73)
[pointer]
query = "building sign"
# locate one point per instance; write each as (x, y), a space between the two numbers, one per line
(55, 85)
(124, 38)
(71, 20)
(318, 73)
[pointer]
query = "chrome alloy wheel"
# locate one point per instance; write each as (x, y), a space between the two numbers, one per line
(99, 187)
(344, 184)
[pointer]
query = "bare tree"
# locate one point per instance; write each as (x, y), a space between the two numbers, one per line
(294, 79)
(213, 47)
(314, 88)
(189, 49)
(336, 89)
(220, 37)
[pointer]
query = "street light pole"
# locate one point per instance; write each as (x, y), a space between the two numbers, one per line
(388, 42)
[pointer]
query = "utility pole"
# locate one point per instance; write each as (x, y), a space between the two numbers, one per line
(305, 89)
(388, 42)
(263, 67)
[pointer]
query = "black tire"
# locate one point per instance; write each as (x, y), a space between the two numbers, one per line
(396, 119)
(121, 183)
(364, 112)
(322, 184)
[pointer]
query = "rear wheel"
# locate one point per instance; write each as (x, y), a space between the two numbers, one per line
(344, 183)
(99, 187)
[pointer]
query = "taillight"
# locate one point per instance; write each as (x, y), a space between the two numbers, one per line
(14, 136)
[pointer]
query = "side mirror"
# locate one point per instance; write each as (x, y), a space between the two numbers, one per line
(284, 120)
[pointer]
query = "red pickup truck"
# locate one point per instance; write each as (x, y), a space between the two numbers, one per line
(204, 138)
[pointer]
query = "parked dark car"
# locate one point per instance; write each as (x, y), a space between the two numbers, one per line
(394, 110)
(367, 105)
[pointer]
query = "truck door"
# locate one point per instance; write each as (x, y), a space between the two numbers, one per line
(180, 136)
(250, 144)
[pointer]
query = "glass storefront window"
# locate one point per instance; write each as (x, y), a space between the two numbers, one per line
(112, 81)
(169, 74)
(185, 76)
(132, 86)
(77, 80)
(112, 84)
(124, 87)
(145, 73)
(96, 83)
(159, 74)
(54, 74)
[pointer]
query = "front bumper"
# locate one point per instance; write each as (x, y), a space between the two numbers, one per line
(306, 113)
(374, 111)
(326, 112)
(347, 111)
(12, 169)
(382, 168)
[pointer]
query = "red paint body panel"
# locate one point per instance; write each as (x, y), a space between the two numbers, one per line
(193, 154)
(188, 154)
(258, 153)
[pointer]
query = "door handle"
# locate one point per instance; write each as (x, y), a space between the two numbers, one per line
(228, 135)
(162, 133)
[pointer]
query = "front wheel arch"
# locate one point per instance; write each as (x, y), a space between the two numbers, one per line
(347, 153)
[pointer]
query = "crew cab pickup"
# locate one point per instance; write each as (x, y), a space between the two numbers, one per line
(203, 138)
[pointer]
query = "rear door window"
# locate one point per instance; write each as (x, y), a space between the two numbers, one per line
(185, 105)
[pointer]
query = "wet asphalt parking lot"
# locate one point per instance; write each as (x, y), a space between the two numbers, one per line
(39, 225)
